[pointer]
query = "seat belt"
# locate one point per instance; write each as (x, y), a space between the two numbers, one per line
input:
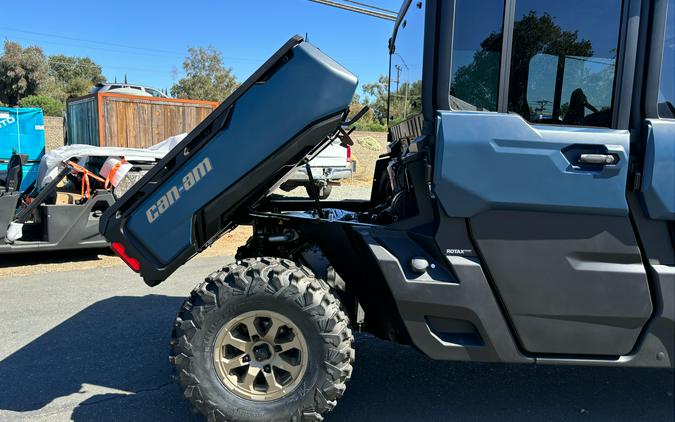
(86, 188)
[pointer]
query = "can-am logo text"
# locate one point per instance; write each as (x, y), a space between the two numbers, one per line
(174, 193)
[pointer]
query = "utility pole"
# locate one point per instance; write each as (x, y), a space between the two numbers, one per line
(405, 101)
(394, 96)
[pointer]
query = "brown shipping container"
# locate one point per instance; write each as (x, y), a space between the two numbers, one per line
(118, 120)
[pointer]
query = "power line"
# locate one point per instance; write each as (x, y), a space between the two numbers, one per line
(90, 47)
(87, 41)
(140, 50)
(356, 9)
(148, 70)
(52, 60)
(74, 65)
(370, 6)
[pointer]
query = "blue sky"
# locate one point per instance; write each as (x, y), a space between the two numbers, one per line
(159, 33)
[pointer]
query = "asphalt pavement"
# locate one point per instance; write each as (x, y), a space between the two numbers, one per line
(92, 345)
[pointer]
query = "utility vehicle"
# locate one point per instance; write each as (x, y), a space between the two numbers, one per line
(73, 185)
(523, 213)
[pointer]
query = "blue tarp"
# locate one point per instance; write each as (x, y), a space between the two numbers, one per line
(22, 130)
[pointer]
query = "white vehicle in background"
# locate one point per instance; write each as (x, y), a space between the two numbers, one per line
(329, 168)
(128, 89)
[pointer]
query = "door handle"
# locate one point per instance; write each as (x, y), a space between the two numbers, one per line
(598, 159)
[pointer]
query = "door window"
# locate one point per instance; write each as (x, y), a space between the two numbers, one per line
(667, 82)
(476, 54)
(563, 61)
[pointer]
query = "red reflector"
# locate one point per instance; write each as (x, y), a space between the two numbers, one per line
(121, 251)
(349, 153)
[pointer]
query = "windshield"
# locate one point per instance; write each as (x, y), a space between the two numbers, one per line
(405, 66)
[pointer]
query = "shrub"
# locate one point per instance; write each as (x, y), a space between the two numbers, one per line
(368, 142)
(372, 126)
(49, 105)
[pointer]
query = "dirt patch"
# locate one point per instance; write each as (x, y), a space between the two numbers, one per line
(367, 148)
(228, 244)
(47, 262)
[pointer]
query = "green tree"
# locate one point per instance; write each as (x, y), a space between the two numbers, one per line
(78, 87)
(405, 101)
(22, 72)
(49, 105)
(367, 121)
(534, 35)
(476, 82)
(72, 76)
(54, 89)
(378, 92)
(206, 78)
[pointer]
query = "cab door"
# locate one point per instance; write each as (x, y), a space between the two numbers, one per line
(533, 151)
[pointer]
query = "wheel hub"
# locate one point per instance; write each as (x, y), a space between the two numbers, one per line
(260, 355)
(262, 352)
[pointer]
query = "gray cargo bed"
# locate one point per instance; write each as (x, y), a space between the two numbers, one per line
(282, 113)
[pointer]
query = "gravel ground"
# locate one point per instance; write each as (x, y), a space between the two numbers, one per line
(338, 193)
(349, 192)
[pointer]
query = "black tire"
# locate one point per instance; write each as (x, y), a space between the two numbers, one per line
(323, 190)
(263, 284)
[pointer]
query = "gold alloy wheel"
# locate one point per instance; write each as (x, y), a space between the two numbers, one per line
(260, 355)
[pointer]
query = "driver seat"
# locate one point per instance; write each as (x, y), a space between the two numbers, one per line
(11, 179)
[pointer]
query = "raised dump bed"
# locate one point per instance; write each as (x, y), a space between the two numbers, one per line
(284, 112)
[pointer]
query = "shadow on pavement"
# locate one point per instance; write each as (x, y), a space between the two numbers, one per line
(392, 382)
(122, 343)
(118, 343)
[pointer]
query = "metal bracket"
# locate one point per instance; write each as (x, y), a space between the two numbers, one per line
(313, 190)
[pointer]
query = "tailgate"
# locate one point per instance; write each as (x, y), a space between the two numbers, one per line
(282, 113)
(334, 155)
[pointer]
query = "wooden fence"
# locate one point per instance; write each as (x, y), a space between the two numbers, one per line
(106, 119)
